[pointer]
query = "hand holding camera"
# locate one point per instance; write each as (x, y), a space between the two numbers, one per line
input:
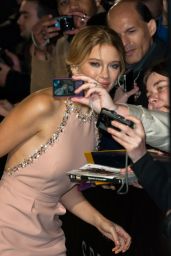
(43, 32)
(107, 116)
(50, 27)
(96, 96)
(133, 140)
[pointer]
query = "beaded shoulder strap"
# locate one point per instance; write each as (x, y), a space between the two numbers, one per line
(70, 107)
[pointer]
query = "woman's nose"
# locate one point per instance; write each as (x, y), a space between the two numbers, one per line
(104, 72)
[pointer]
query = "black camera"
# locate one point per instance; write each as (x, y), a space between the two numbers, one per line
(106, 116)
(65, 23)
(4, 58)
(128, 82)
(64, 87)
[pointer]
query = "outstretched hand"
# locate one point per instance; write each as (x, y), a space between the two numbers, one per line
(43, 31)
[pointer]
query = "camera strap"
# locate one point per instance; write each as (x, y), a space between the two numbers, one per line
(123, 189)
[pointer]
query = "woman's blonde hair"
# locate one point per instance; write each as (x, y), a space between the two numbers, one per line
(87, 38)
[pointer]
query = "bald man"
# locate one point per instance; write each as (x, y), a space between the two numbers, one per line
(137, 28)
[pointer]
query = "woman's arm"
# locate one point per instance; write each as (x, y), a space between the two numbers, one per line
(78, 205)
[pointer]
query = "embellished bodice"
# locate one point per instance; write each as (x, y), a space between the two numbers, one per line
(70, 107)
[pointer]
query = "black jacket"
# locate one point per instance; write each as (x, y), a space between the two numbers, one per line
(155, 177)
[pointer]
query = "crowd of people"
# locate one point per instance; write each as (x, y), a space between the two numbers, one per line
(123, 65)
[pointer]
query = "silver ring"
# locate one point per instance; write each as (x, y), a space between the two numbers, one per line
(95, 84)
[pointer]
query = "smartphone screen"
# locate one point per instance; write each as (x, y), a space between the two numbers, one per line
(64, 87)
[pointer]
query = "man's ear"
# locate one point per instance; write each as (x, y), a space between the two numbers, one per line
(152, 27)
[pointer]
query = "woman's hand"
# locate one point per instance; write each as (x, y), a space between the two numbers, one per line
(115, 233)
(74, 202)
(95, 96)
(133, 140)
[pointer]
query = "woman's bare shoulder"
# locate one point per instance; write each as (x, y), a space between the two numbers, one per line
(30, 117)
(40, 103)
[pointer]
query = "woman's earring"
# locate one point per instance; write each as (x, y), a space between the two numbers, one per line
(74, 69)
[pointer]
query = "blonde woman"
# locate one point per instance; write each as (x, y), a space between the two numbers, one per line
(44, 137)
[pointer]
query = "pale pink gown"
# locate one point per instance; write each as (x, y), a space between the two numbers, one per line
(30, 192)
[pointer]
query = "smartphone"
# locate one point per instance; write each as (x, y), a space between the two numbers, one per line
(106, 117)
(65, 87)
(128, 81)
(129, 85)
(65, 23)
